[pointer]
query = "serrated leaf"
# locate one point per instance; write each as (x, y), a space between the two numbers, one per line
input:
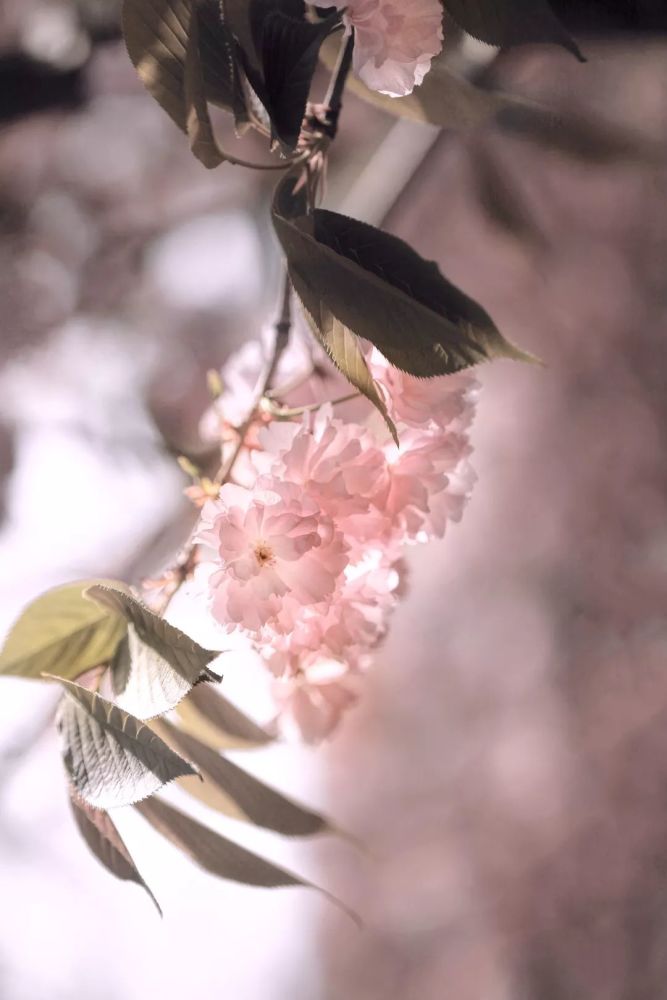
(184, 56)
(210, 716)
(511, 22)
(112, 759)
(379, 288)
(61, 633)
(280, 51)
(342, 347)
(100, 834)
(289, 49)
(158, 664)
(220, 856)
(232, 791)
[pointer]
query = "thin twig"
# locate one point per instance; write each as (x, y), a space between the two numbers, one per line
(334, 98)
(289, 412)
(185, 561)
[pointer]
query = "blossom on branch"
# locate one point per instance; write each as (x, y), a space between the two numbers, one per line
(394, 41)
(308, 555)
(271, 542)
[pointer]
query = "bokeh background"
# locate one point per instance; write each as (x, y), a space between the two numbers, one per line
(506, 770)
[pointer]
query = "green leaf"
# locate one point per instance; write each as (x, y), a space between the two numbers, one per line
(100, 834)
(232, 791)
(184, 55)
(207, 714)
(280, 50)
(511, 22)
(159, 664)
(342, 347)
(289, 49)
(61, 633)
(112, 759)
(379, 288)
(220, 856)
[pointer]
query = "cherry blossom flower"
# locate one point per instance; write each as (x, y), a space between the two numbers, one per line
(240, 375)
(429, 403)
(345, 630)
(311, 704)
(395, 41)
(272, 542)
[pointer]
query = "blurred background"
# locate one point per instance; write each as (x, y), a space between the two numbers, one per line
(507, 767)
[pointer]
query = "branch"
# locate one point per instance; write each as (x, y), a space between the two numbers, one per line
(333, 101)
(185, 561)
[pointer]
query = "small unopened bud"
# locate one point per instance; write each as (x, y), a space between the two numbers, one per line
(188, 467)
(214, 384)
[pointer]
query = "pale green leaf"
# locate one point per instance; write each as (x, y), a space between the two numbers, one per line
(158, 664)
(63, 634)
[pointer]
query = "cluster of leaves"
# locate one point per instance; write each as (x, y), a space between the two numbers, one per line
(120, 750)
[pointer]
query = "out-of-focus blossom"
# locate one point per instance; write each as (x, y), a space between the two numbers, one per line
(272, 542)
(311, 703)
(240, 376)
(395, 41)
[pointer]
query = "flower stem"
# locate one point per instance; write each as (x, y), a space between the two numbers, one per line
(288, 412)
(184, 564)
(334, 98)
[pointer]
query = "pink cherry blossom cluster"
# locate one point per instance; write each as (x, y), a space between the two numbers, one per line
(307, 552)
(395, 41)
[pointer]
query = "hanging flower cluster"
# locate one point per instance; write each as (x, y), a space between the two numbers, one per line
(395, 41)
(306, 553)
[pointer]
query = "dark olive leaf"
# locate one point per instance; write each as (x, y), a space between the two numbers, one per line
(100, 834)
(198, 124)
(111, 758)
(158, 664)
(280, 49)
(383, 291)
(184, 55)
(289, 49)
(220, 856)
(342, 347)
(511, 22)
(231, 790)
(501, 199)
(207, 714)
(581, 137)
(63, 634)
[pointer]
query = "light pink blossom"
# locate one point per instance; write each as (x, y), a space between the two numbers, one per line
(240, 375)
(339, 464)
(311, 704)
(272, 543)
(427, 403)
(345, 630)
(395, 41)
